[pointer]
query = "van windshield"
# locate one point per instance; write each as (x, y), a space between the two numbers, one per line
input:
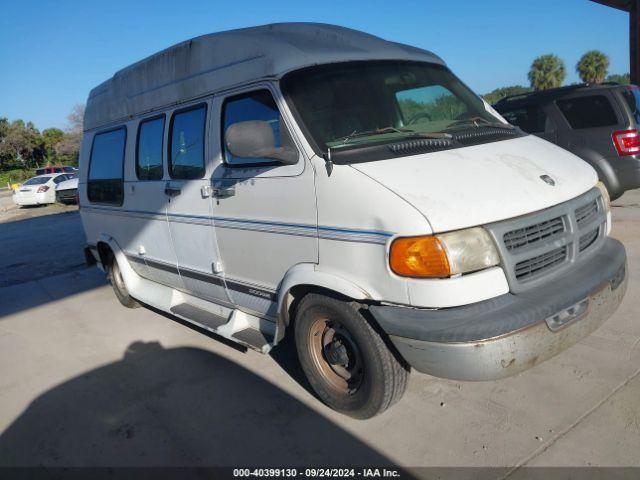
(363, 103)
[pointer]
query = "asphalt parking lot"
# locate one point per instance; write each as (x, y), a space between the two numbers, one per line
(86, 382)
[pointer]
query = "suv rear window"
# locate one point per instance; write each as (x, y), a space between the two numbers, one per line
(588, 112)
(529, 118)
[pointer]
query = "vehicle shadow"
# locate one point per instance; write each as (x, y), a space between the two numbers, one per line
(176, 407)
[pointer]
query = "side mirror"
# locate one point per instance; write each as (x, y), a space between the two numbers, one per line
(255, 139)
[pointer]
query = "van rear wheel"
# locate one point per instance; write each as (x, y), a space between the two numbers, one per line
(120, 289)
(345, 359)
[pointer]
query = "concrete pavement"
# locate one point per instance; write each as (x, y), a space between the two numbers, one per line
(84, 381)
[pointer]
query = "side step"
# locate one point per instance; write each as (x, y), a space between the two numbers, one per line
(248, 330)
(199, 315)
(254, 338)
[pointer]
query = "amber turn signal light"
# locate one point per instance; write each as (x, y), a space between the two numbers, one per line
(423, 257)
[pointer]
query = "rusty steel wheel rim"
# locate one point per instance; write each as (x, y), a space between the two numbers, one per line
(336, 356)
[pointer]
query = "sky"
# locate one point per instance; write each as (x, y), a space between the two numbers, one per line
(53, 53)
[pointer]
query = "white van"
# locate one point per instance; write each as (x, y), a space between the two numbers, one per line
(352, 192)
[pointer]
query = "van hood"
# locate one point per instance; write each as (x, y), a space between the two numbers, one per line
(68, 184)
(486, 183)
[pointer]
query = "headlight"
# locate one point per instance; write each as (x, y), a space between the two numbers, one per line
(440, 256)
(605, 196)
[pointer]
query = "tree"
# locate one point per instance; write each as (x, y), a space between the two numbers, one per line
(547, 71)
(624, 79)
(502, 92)
(68, 149)
(593, 66)
(52, 137)
(21, 144)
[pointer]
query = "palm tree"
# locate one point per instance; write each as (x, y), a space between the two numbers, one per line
(593, 67)
(547, 71)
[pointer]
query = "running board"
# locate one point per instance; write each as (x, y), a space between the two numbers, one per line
(198, 315)
(256, 338)
(248, 330)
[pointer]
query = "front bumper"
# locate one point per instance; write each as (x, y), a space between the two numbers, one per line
(69, 195)
(511, 333)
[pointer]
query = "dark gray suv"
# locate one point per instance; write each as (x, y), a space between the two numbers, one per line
(599, 123)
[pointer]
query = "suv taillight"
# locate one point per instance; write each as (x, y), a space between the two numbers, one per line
(627, 142)
(43, 189)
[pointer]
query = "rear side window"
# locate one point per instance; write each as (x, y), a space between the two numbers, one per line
(106, 183)
(59, 179)
(149, 151)
(531, 118)
(186, 143)
(588, 112)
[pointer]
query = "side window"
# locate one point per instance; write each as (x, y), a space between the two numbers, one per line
(258, 105)
(59, 179)
(588, 112)
(531, 118)
(186, 143)
(149, 150)
(106, 183)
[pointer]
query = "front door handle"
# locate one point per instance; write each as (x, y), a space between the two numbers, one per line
(172, 191)
(224, 192)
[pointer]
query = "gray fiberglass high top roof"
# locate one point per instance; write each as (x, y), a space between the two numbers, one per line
(213, 62)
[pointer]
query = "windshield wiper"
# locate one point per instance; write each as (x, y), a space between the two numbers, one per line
(381, 131)
(479, 122)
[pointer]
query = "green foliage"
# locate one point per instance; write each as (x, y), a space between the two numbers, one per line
(592, 67)
(23, 147)
(502, 92)
(52, 138)
(547, 71)
(15, 176)
(624, 79)
(444, 107)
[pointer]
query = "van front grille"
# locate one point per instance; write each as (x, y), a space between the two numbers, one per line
(586, 213)
(536, 265)
(521, 237)
(544, 244)
(588, 239)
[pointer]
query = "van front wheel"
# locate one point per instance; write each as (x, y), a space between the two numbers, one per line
(120, 289)
(345, 360)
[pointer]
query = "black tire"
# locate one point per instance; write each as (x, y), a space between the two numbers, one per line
(365, 380)
(119, 288)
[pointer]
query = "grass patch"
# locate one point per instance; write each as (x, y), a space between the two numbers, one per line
(17, 175)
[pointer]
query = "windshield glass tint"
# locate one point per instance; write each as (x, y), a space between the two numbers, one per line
(37, 181)
(349, 103)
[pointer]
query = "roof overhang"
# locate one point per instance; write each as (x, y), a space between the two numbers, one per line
(619, 4)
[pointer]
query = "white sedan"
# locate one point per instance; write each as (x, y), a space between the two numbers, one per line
(39, 190)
